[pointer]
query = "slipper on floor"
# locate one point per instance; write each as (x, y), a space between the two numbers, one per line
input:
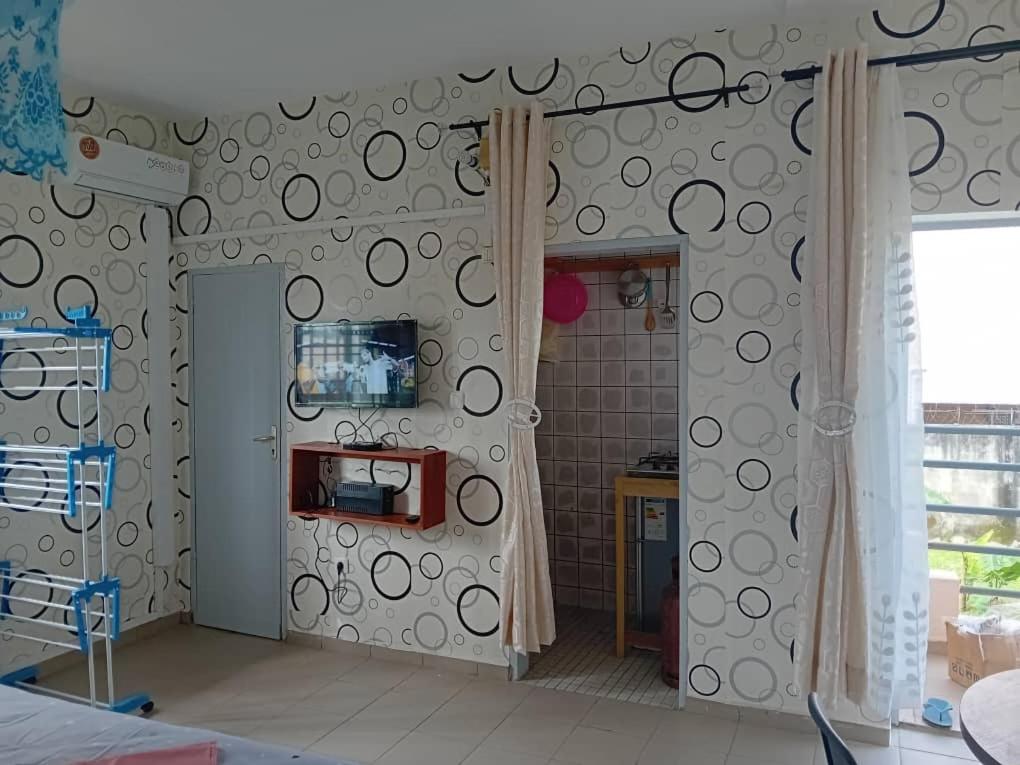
(938, 712)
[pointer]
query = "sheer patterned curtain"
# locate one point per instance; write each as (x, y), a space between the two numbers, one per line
(518, 158)
(863, 533)
(32, 131)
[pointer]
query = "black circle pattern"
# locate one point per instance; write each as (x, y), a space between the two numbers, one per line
(497, 511)
(346, 131)
(302, 280)
(387, 240)
(389, 555)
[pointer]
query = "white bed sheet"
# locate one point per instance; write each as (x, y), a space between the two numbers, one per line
(41, 730)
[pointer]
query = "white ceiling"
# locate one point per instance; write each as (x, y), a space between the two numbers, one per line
(210, 57)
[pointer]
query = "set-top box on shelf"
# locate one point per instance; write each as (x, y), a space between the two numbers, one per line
(306, 463)
(364, 498)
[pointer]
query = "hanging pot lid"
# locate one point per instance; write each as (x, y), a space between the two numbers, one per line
(632, 286)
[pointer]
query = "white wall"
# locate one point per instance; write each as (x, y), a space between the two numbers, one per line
(735, 179)
(646, 171)
(60, 248)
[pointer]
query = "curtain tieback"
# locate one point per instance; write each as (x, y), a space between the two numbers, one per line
(523, 414)
(839, 421)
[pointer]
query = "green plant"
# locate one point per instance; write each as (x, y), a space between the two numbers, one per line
(1003, 576)
(974, 567)
(986, 569)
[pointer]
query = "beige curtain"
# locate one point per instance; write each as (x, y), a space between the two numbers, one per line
(836, 243)
(860, 493)
(518, 157)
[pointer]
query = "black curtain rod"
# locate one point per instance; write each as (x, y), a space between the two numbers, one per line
(916, 59)
(789, 75)
(721, 94)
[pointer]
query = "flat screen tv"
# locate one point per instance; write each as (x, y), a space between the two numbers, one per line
(357, 364)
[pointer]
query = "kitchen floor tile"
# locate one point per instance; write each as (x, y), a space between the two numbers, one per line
(682, 731)
(378, 673)
(356, 708)
(358, 740)
(487, 755)
(531, 735)
(470, 720)
(631, 719)
(774, 745)
(423, 749)
(935, 743)
(560, 705)
(865, 754)
(297, 731)
(917, 757)
(591, 746)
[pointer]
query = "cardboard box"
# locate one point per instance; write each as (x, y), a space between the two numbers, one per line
(973, 655)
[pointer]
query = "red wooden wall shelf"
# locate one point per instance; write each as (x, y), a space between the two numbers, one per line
(304, 482)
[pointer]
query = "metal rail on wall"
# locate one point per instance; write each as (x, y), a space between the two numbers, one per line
(995, 50)
(611, 265)
(983, 53)
(721, 94)
(340, 224)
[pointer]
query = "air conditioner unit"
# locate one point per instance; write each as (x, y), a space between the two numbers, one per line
(116, 169)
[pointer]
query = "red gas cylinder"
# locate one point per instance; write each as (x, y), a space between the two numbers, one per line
(669, 631)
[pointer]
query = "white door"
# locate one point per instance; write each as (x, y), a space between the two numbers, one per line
(236, 449)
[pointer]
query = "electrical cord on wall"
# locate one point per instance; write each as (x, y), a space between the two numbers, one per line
(364, 422)
(388, 440)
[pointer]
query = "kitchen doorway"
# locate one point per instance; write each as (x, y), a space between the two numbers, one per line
(613, 392)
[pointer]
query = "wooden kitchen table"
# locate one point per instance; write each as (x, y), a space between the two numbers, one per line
(990, 718)
(630, 486)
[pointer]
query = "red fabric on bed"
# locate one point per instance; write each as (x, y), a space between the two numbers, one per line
(192, 754)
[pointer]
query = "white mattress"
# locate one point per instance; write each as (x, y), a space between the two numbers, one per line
(40, 730)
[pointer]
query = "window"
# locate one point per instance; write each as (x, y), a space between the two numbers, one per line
(967, 282)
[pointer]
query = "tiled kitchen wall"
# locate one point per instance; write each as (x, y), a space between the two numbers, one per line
(610, 400)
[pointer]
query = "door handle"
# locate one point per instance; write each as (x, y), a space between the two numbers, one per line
(268, 438)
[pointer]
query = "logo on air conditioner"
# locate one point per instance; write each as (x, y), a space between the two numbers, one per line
(166, 165)
(89, 147)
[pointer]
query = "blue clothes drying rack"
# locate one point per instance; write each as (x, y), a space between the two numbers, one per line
(74, 481)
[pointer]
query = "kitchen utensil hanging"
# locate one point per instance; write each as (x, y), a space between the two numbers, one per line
(649, 309)
(668, 314)
(632, 287)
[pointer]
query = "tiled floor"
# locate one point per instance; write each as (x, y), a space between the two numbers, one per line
(392, 713)
(937, 684)
(582, 661)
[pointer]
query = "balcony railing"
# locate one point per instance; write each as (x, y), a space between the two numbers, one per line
(978, 510)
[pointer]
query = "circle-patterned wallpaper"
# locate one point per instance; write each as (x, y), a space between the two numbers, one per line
(60, 247)
(735, 179)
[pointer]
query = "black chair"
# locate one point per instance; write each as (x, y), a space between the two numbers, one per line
(836, 751)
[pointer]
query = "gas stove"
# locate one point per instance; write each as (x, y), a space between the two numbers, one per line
(656, 465)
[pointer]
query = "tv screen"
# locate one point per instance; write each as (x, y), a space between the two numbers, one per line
(357, 364)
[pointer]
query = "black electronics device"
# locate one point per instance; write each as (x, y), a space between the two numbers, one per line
(364, 498)
(365, 446)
